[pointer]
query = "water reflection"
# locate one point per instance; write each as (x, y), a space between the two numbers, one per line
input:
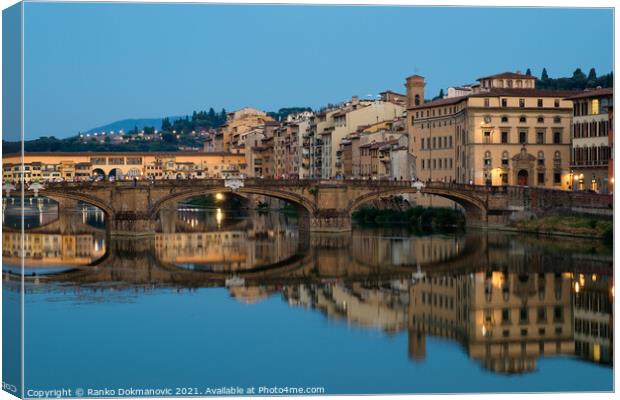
(507, 300)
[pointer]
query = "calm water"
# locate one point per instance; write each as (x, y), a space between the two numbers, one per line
(219, 298)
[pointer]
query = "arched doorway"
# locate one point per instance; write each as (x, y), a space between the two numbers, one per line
(98, 174)
(116, 173)
(134, 173)
(522, 177)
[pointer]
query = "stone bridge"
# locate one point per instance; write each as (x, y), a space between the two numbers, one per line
(325, 205)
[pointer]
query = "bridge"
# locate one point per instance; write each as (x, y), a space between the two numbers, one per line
(324, 205)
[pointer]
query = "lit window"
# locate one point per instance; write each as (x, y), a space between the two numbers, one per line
(595, 106)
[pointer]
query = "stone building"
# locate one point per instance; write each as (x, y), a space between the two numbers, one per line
(506, 132)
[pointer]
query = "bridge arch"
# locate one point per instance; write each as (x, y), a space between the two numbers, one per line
(475, 208)
(299, 201)
(77, 196)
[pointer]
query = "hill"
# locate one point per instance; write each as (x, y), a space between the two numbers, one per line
(128, 124)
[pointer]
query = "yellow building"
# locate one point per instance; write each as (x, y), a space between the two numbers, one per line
(83, 166)
(506, 132)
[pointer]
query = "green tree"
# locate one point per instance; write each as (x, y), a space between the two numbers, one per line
(166, 126)
(528, 72)
(578, 75)
(544, 75)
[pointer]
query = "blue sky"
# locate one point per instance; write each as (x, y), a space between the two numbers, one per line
(90, 64)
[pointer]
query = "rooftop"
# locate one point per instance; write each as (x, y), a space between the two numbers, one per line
(508, 75)
(592, 93)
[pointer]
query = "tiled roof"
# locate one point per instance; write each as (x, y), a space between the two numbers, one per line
(508, 75)
(442, 102)
(592, 93)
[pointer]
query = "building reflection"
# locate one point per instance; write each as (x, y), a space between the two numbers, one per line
(506, 300)
(593, 323)
(46, 249)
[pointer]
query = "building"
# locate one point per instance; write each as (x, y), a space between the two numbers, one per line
(592, 146)
(84, 166)
(230, 137)
(506, 132)
(335, 124)
(457, 91)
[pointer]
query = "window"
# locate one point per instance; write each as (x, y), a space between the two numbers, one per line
(522, 119)
(523, 315)
(557, 137)
(557, 120)
(505, 159)
(558, 313)
(134, 160)
(540, 137)
(97, 160)
(505, 315)
(521, 103)
(595, 107)
(504, 118)
(557, 178)
(504, 137)
(541, 159)
(556, 103)
(487, 159)
(540, 102)
(540, 120)
(486, 102)
(504, 103)
(523, 137)
(116, 160)
(487, 136)
(541, 178)
(542, 314)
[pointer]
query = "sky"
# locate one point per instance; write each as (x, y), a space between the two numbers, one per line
(90, 64)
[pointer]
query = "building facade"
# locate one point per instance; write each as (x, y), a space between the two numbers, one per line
(506, 132)
(85, 166)
(591, 151)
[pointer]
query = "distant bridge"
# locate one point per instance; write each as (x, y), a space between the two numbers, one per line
(325, 205)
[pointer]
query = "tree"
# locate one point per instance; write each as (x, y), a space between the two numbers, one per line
(578, 75)
(441, 94)
(166, 125)
(592, 74)
(544, 75)
(528, 72)
(169, 138)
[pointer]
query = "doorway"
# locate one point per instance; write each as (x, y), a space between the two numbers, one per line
(522, 177)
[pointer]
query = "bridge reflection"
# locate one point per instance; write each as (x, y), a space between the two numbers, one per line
(507, 300)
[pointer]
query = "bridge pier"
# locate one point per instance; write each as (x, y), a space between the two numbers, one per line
(330, 220)
(132, 224)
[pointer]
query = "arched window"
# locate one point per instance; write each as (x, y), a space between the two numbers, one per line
(417, 99)
(541, 159)
(522, 118)
(505, 159)
(487, 159)
(557, 159)
(540, 120)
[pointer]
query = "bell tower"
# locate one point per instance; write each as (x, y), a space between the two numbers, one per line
(415, 90)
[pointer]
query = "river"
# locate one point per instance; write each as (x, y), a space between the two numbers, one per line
(224, 298)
